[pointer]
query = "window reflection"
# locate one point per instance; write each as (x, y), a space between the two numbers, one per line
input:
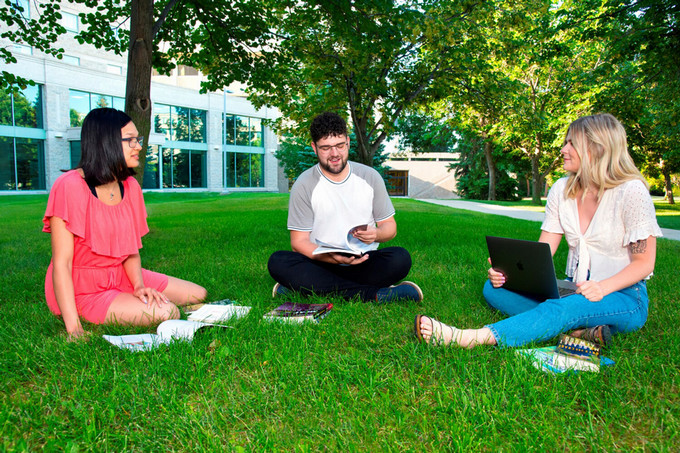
(22, 164)
(81, 102)
(151, 168)
(22, 160)
(184, 168)
(243, 170)
(242, 131)
(180, 124)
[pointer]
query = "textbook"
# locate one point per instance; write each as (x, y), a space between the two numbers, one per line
(193, 307)
(298, 313)
(550, 360)
(352, 245)
(212, 313)
(167, 332)
(205, 316)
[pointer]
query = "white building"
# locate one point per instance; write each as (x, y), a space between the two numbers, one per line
(205, 142)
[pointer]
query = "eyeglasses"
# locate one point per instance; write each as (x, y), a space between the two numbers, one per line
(134, 141)
(339, 146)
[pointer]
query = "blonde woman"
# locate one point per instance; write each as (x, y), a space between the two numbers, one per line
(603, 209)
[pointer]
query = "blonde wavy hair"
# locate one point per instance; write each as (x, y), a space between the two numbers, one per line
(601, 144)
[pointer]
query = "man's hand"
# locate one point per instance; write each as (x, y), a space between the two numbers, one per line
(367, 235)
(339, 258)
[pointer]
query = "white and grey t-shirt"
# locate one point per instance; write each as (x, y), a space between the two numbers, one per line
(328, 209)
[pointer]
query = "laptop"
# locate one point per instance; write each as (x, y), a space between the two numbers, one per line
(528, 268)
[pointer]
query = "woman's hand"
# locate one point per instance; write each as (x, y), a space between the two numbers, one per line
(496, 278)
(151, 296)
(591, 290)
(76, 333)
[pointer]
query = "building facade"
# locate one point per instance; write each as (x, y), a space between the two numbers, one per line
(424, 175)
(198, 142)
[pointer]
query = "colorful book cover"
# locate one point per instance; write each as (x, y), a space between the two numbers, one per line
(550, 360)
(292, 312)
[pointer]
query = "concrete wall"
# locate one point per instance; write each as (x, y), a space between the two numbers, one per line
(427, 178)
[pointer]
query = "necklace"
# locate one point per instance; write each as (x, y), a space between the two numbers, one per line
(111, 190)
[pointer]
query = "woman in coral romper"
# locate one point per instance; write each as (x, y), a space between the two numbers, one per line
(96, 216)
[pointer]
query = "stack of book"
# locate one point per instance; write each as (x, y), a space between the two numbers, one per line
(297, 313)
(570, 354)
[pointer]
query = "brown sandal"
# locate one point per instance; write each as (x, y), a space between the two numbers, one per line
(601, 335)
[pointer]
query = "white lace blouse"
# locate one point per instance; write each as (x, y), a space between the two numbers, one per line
(625, 215)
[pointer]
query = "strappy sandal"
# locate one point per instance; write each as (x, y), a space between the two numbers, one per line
(433, 339)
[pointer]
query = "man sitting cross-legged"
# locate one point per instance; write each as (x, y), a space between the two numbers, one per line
(327, 202)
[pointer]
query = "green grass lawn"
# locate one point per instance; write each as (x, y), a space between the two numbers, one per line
(355, 382)
(668, 215)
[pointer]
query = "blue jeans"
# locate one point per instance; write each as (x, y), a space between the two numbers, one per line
(531, 320)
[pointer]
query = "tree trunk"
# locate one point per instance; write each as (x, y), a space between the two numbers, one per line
(491, 167)
(138, 88)
(669, 185)
(535, 181)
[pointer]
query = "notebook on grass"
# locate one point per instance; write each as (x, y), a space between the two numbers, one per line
(528, 268)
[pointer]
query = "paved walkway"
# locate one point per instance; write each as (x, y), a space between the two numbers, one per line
(517, 213)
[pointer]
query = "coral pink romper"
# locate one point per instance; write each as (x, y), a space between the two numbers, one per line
(103, 237)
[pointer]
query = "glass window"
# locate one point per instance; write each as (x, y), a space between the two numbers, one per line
(100, 100)
(69, 21)
(243, 169)
(75, 153)
(79, 106)
(229, 166)
(114, 69)
(181, 168)
(28, 108)
(30, 164)
(75, 61)
(119, 103)
(198, 169)
(242, 131)
(255, 132)
(257, 170)
(198, 119)
(180, 124)
(6, 108)
(20, 48)
(23, 109)
(81, 102)
(7, 177)
(184, 168)
(230, 134)
(151, 169)
(161, 120)
(22, 164)
(24, 8)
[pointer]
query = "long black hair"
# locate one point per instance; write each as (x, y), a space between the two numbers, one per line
(102, 159)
